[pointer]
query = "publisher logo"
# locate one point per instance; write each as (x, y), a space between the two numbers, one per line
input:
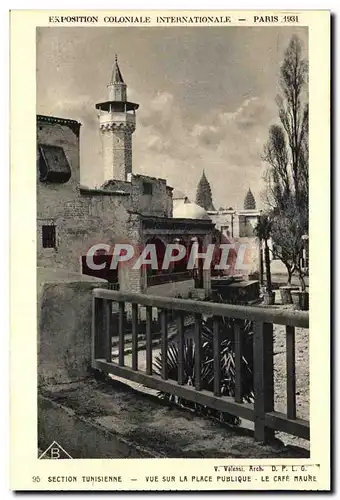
(54, 452)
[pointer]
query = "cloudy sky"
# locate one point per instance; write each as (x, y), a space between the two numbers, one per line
(206, 95)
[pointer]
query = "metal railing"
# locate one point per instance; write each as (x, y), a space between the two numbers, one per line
(261, 412)
(161, 278)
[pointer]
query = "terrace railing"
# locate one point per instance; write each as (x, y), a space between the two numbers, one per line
(161, 278)
(261, 412)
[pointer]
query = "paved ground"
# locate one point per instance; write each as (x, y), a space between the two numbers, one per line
(302, 377)
(115, 412)
(281, 279)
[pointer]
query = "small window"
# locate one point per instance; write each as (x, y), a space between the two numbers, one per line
(49, 236)
(147, 188)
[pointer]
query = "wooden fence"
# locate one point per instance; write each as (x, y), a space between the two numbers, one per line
(261, 412)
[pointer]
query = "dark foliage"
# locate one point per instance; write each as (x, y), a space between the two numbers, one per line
(207, 371)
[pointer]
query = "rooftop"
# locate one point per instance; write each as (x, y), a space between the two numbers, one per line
(74, 125)
(56, 119)
(102, 192)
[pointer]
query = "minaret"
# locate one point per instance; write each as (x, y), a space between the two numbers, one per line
(249, 201)
(203, 194)
(117, 122)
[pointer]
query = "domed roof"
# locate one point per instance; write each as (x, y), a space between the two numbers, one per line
(184, 209)
(249, 201)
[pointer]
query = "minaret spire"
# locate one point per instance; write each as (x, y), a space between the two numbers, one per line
(249, 201)
(203, 194)
(117, 87)
(116, 76)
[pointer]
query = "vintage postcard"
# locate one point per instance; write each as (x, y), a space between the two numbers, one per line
(170, 180)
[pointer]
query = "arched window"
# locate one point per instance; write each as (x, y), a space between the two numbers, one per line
(160, 252)
(180, 266)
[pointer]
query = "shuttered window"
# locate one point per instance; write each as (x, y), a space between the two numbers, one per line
(53, 164)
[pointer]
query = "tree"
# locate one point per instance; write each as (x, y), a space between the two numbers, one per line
(285, 250)
(286, 153)
(263, 232)
(203, 194)
(287, 231)
(293, 113)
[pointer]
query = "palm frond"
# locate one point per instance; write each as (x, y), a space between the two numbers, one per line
(228, 373)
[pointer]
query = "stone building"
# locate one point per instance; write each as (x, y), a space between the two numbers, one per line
(127, 208)
(237, 227)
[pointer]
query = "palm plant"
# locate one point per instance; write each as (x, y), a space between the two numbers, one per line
(207, 366)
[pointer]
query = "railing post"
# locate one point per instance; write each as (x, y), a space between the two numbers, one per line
(107, 339)
(101, 329)
(291, 374)
(217, 356)
(198, 352)
(149, 340)
(134, 322)
(94, 328)
(238, 342)
(121, 332)
(263, 379)
(164, 344)
(180, 327)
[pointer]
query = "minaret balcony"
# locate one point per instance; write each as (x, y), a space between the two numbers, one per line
(117, 106)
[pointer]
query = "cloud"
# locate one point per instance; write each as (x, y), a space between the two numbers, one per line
(205, 100)
(78, 108)
(227, 144)
(160, 126)
(231, 125)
